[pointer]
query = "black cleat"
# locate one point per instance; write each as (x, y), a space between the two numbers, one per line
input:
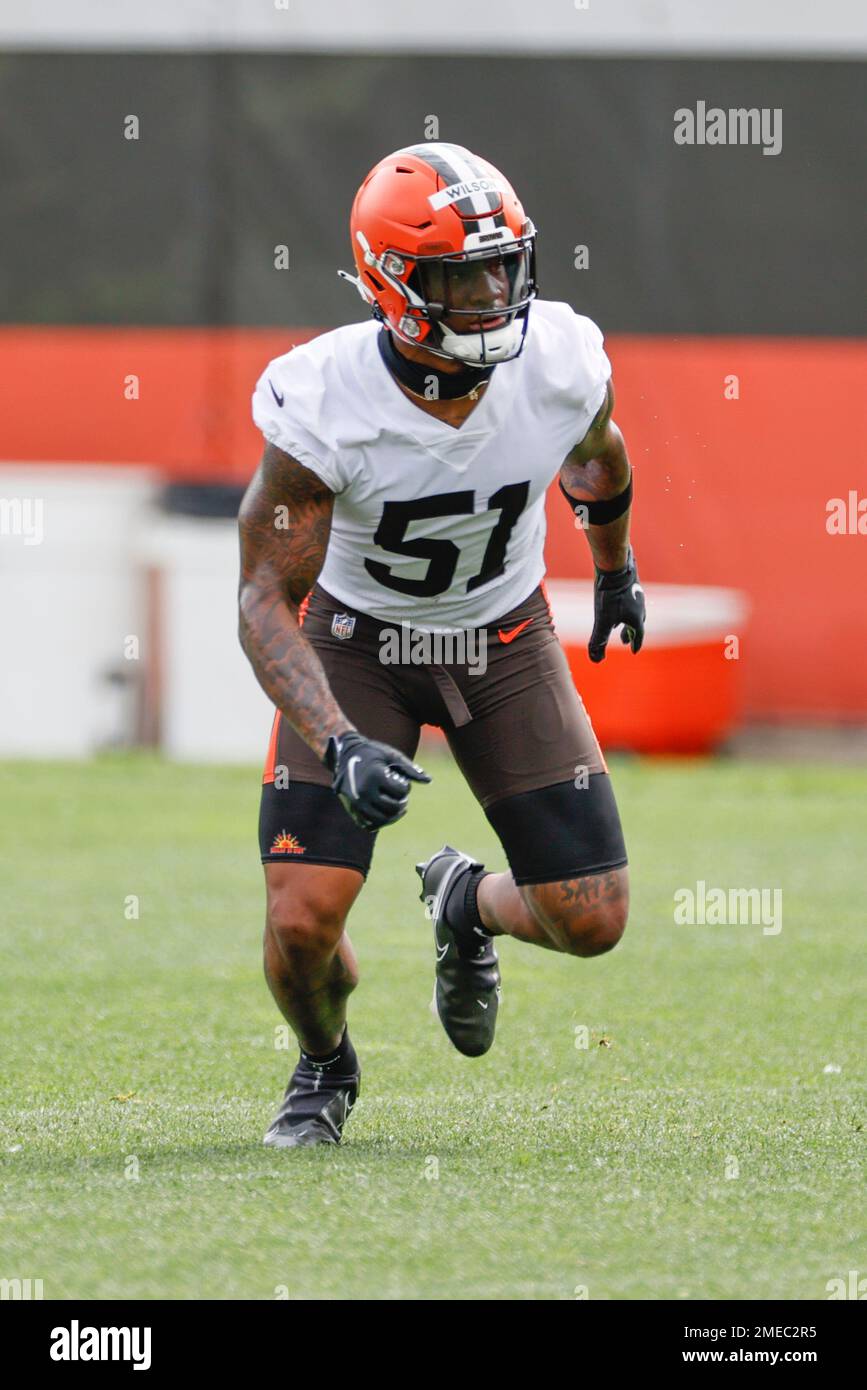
(315, 1108)
(467, 992)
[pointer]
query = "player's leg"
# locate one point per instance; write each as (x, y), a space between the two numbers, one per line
(316, 859)
(579, 916)
(530, 755)
(310, 965)
(567, 888)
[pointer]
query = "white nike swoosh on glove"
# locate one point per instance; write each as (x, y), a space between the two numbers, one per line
(350, 773)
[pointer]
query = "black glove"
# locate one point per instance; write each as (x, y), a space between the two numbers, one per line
(371, 779)
(617, 598)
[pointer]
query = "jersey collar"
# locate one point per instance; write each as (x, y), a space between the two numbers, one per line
(455, 447)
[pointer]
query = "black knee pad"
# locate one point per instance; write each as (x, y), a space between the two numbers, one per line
(562, 831)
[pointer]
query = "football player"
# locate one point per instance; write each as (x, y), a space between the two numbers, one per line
(402, 489)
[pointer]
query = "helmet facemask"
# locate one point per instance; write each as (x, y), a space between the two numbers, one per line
(476, 303)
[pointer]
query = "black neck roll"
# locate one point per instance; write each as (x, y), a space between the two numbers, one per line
(417, 375)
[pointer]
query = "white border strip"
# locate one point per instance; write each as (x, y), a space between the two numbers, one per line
(772, 28)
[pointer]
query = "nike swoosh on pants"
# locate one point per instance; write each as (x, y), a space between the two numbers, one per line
(515, 631)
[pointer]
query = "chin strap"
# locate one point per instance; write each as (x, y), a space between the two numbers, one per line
(427, 381)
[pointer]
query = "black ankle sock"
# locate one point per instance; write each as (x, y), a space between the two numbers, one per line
(341, 1061)
(464, 917)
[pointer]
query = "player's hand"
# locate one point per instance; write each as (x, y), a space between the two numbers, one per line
(617, 598)
(371, 779)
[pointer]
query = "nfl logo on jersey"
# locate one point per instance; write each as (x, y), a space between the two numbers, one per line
(342, 626)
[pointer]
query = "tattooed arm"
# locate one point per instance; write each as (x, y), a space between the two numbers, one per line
(285, 522)
(596, 470)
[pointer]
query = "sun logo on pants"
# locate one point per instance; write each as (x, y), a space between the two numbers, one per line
(284, 843)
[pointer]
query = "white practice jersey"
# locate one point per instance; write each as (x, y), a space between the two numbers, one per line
(434, 526)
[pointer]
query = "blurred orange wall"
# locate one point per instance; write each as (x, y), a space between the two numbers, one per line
(728, 491)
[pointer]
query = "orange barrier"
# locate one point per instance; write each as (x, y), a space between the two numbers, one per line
(669, 700)
(683, 692)
(739, 445)
(736, 491)
(69, 396)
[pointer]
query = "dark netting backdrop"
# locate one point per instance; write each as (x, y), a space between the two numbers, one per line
(239, 153)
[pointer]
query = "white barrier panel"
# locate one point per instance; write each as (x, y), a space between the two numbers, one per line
(211, 706)
(69, 600)
(677, 614)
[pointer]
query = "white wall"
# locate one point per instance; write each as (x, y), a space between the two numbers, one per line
(67, 602)
(834, 27)
(213, 709)
(70, 602)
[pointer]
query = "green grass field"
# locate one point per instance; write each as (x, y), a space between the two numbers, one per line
(140, 1068)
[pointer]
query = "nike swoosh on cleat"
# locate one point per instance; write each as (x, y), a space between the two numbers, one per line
(278, 399)
(480, 1004)
(514, 632)
(441, 951)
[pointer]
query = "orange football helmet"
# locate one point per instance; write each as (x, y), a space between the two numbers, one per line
(445, 254)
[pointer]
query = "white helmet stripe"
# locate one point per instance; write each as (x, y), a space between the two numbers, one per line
(457, 166)
(467, 173)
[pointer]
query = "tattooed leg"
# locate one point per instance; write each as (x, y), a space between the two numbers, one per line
(579, 916)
